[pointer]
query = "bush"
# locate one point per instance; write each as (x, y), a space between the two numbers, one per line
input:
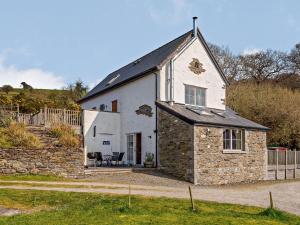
(5, 120)
(270, 105)
(65, 134)
(16, 135)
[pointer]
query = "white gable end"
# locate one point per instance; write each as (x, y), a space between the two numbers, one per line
(211, 79)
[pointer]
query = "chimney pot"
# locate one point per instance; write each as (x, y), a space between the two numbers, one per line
(195, 26)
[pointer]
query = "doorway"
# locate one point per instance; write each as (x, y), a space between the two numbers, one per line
(138, 148)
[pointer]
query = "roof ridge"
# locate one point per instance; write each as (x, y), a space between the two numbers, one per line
(149, 53)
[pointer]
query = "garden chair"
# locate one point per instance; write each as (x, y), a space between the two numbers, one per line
(91, 156)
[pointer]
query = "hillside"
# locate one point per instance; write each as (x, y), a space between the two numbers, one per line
(30, 101)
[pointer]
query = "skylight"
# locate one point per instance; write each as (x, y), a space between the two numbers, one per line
(112, 80)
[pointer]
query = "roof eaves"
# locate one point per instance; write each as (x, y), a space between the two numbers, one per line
(174, 113)
(235, 126)
(208, 51)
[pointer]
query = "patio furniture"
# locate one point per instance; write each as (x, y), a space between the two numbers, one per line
(119, 158)
(99, 158)
(115, 156)
(91, 157)
(108, 159)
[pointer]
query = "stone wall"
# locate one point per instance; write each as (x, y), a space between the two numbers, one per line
(175, 146)
(56, 161)
(217, 167)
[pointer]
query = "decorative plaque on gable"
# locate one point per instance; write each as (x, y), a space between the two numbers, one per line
(196, 66)
(144, 110)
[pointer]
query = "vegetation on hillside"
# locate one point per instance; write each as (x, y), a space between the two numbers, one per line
(32, 100)
(54, 207)
(65, 134)
(272, 105)
(16, 135)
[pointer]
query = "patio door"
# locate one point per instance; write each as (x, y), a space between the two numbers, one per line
(130, 148)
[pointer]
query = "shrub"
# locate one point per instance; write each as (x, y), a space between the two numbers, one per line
(16, 135)
(65, 134)
(5, 120)
(69, 141)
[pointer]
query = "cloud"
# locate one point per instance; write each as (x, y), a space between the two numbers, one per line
(37, 78)
(250, 51)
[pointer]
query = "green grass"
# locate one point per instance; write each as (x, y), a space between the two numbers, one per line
(86, 208)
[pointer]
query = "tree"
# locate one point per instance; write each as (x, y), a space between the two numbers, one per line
(271, 105)
(77, 90)
(7, 88)
(226, 60)
(294, 58)
(262, 66)
(26, 86)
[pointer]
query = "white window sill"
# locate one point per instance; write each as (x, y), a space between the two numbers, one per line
(228, 151)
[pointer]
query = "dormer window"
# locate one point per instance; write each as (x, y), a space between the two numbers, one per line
(195, 95)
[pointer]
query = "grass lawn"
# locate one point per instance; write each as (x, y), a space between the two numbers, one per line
(50, 207)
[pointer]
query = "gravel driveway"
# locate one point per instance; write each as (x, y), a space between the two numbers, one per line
(286, 195)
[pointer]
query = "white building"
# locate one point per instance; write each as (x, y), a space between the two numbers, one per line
(120, 113)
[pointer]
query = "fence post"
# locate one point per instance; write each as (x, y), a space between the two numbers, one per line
(45, 115)
(295, 163)
(276, 172)
(285, 168)
(18, 113)
(64, 116)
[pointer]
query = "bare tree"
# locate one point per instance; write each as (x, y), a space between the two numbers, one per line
(294, 59)
(226, 60)
(262, 66)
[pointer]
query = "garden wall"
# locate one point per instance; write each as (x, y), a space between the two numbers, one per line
(57, 161)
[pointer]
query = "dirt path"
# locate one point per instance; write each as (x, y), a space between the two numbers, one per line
(286, 195)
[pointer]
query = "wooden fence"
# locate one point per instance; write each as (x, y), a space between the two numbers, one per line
(284, 162)
(47, 116)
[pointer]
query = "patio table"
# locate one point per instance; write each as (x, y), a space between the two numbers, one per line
(108, 159)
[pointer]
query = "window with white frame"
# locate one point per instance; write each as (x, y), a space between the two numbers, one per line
(195, 95)
(234, 139)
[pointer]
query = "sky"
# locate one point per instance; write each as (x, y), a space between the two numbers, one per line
(52, 43)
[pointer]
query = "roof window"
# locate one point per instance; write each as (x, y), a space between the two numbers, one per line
(112, 80)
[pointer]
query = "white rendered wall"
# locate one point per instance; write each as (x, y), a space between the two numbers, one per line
(107, 129)
(130, 97)
(210, 79)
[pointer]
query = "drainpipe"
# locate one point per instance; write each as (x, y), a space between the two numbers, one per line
(171, 82)
(156, 121)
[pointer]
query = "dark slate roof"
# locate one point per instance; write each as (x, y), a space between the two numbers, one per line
(209, 116)
(148, 63)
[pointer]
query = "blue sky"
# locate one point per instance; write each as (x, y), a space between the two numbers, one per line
(52, 43)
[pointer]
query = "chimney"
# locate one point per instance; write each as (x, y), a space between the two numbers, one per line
(195, 26)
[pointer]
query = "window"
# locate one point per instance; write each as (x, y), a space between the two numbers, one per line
(195, 95)
(94, 131)
(112, 80)
(234, 139)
